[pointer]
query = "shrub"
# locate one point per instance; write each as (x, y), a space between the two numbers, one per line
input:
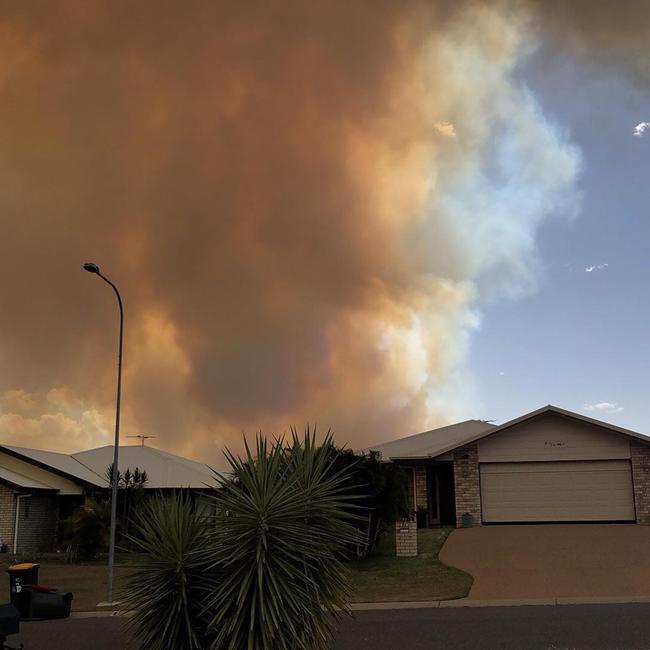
(171, 577)
(265, 572)
(87, 529)
(383, 491)
(281, 527)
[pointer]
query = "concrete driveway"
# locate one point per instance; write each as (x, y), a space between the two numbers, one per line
(553, 561)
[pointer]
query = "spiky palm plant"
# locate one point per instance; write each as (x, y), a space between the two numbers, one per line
(168, 588)
(281, 526)
(264, 573)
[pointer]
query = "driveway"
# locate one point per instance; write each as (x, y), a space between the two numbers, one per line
(553, 561)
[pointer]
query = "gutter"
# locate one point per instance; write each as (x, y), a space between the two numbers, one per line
(18, 498)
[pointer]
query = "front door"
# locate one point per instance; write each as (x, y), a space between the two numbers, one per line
(433, 496)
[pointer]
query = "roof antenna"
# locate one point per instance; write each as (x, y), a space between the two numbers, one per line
(142, 438)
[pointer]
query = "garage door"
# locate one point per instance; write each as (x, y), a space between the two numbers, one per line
(557, 491)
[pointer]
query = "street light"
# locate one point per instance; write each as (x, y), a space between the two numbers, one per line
(93, 268)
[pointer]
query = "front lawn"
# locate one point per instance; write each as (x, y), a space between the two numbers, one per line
(384, 577)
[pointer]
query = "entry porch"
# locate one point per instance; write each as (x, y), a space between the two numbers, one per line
(431, 492)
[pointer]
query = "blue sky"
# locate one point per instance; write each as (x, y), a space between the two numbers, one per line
(582, 338)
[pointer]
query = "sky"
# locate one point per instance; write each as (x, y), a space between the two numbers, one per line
(375, 217)
(581, 339)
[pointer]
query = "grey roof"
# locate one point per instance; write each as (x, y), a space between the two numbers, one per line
(435, 442)
(164, 470)
(439, 441)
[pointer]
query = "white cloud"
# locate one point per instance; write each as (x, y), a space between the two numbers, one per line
(603, 407)
(641, 128)
(595, 267)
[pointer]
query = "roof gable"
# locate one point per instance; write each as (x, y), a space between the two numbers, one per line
(436, 442)
(550, 409)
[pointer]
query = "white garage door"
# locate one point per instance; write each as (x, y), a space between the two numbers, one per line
(557, 491)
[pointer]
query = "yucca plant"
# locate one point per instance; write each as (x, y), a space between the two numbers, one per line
(171, 579)
(264, 573)
(283, 520)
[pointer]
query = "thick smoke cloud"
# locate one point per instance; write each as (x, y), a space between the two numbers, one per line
(303, 204)
(601, 32)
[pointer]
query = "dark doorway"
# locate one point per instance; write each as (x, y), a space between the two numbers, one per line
(447, 493)
(433, 496)
(441, 494)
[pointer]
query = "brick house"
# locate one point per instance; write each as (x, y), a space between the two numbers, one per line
(549, 465)
(38, 488)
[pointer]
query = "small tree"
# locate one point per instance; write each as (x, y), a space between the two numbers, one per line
(131, 490)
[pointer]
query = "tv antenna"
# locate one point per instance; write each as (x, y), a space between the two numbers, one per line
(142, 438)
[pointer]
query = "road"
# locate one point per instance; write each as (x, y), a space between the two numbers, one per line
(593, 627)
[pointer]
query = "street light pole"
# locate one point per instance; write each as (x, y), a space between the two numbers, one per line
(93, 268)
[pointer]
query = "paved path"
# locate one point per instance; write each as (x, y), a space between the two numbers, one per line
(553, 561)
(579, 627)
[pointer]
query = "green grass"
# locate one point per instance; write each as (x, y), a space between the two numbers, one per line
(384, 577)
(381, 577)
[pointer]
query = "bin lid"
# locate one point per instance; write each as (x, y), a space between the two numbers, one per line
(23, 566)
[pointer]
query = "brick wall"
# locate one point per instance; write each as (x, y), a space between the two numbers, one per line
(406, 538)
(37, 523)
(640, 455)
(7, 515)
(467, 482)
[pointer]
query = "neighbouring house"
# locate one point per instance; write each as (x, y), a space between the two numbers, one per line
(550, 465)
(38, 488)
